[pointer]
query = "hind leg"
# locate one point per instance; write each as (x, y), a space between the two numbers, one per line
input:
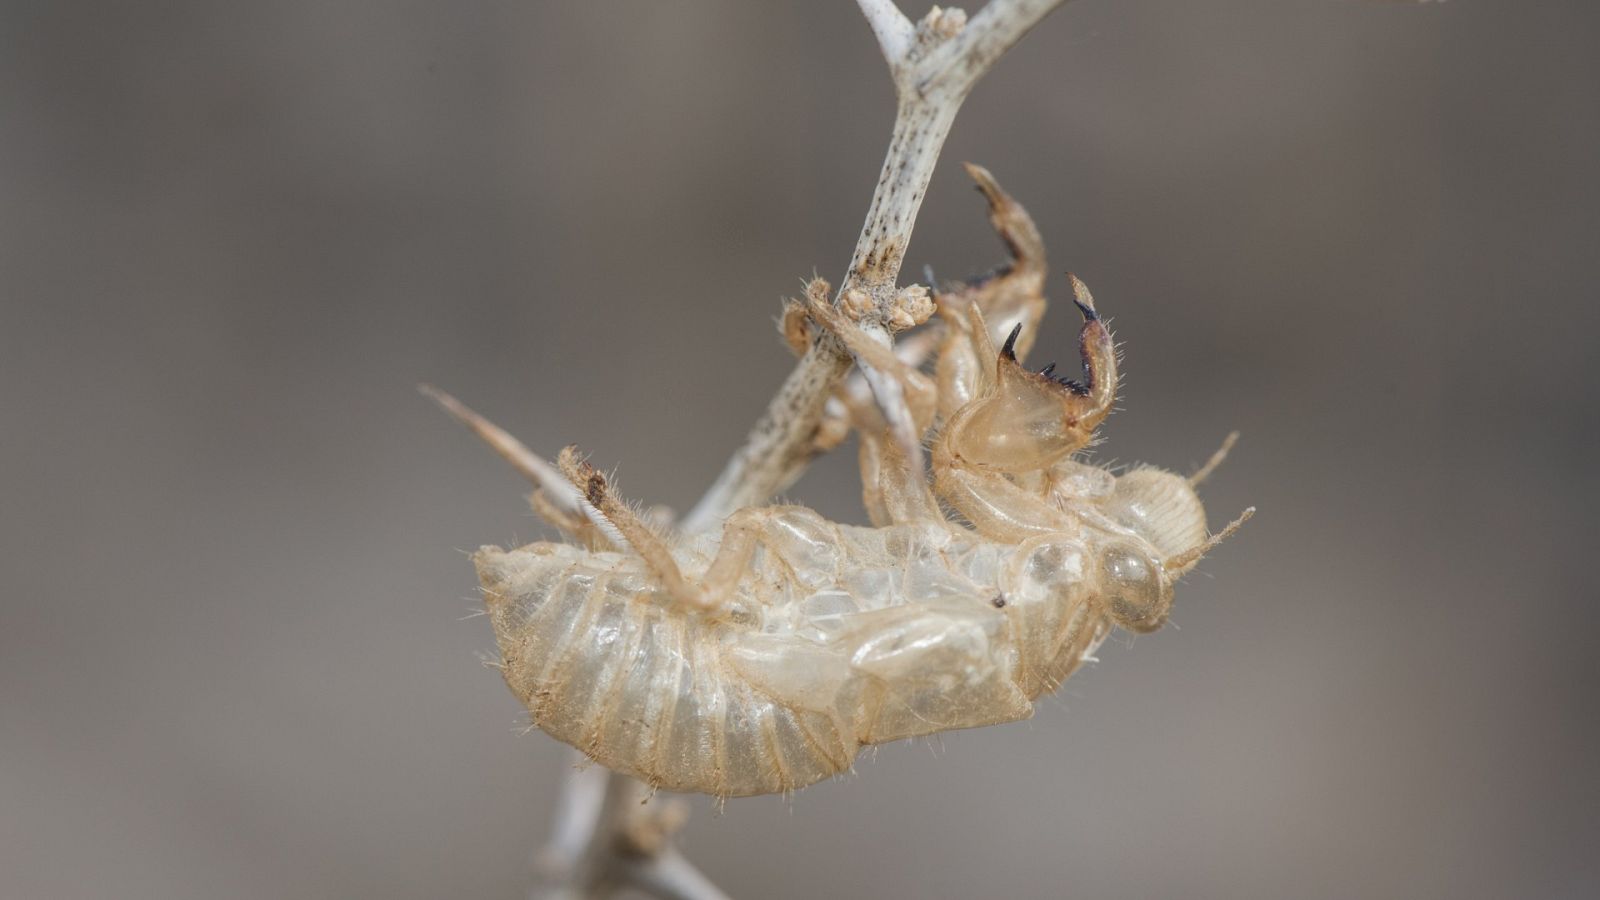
(894, 482)
(714, 592)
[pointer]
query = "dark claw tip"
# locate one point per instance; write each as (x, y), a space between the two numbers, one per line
(1089, 313)
(1009, 351)
(1047, 370)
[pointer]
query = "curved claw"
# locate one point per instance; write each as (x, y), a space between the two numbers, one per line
(1010, 293)
(1012, 223)
(1028, 420)
(1098, 386)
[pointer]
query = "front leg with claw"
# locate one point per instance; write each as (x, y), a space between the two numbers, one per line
(1020, 423)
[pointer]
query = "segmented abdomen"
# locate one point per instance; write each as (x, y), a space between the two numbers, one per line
(640, 689)
(895, 633)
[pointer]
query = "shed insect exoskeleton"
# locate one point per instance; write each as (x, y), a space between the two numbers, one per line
(763, 657)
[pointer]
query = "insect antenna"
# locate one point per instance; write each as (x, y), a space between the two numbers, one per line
(1185, 561)
(1216, 459)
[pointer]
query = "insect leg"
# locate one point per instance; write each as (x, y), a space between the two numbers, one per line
(1000, 509)
(959, 373)
(1020, 423)
(711, 593)
(553, 499)
(1016, 230)
(795, 323)
(741, 532)
(851, 406)
(893, 479)
(596, 494)
(1010, 296)
(893, 489)
(905, 396)
(1023, 421)
(838, 415)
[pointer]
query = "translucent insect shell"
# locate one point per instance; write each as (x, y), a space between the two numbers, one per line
(762, 657)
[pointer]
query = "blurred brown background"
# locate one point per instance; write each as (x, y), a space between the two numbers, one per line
(234, 658)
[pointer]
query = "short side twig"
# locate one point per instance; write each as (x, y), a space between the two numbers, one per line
(891, 27)
(612, 835)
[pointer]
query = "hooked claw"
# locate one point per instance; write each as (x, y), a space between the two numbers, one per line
(1029, 420)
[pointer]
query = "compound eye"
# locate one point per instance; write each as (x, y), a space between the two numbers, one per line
(1133, 591)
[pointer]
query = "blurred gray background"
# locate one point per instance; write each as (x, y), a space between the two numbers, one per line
(235, 652)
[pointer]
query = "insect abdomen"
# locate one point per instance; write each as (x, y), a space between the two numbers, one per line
(605, 662)
(601, 665)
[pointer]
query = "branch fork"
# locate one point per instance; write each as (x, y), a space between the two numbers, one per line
(934, 64)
